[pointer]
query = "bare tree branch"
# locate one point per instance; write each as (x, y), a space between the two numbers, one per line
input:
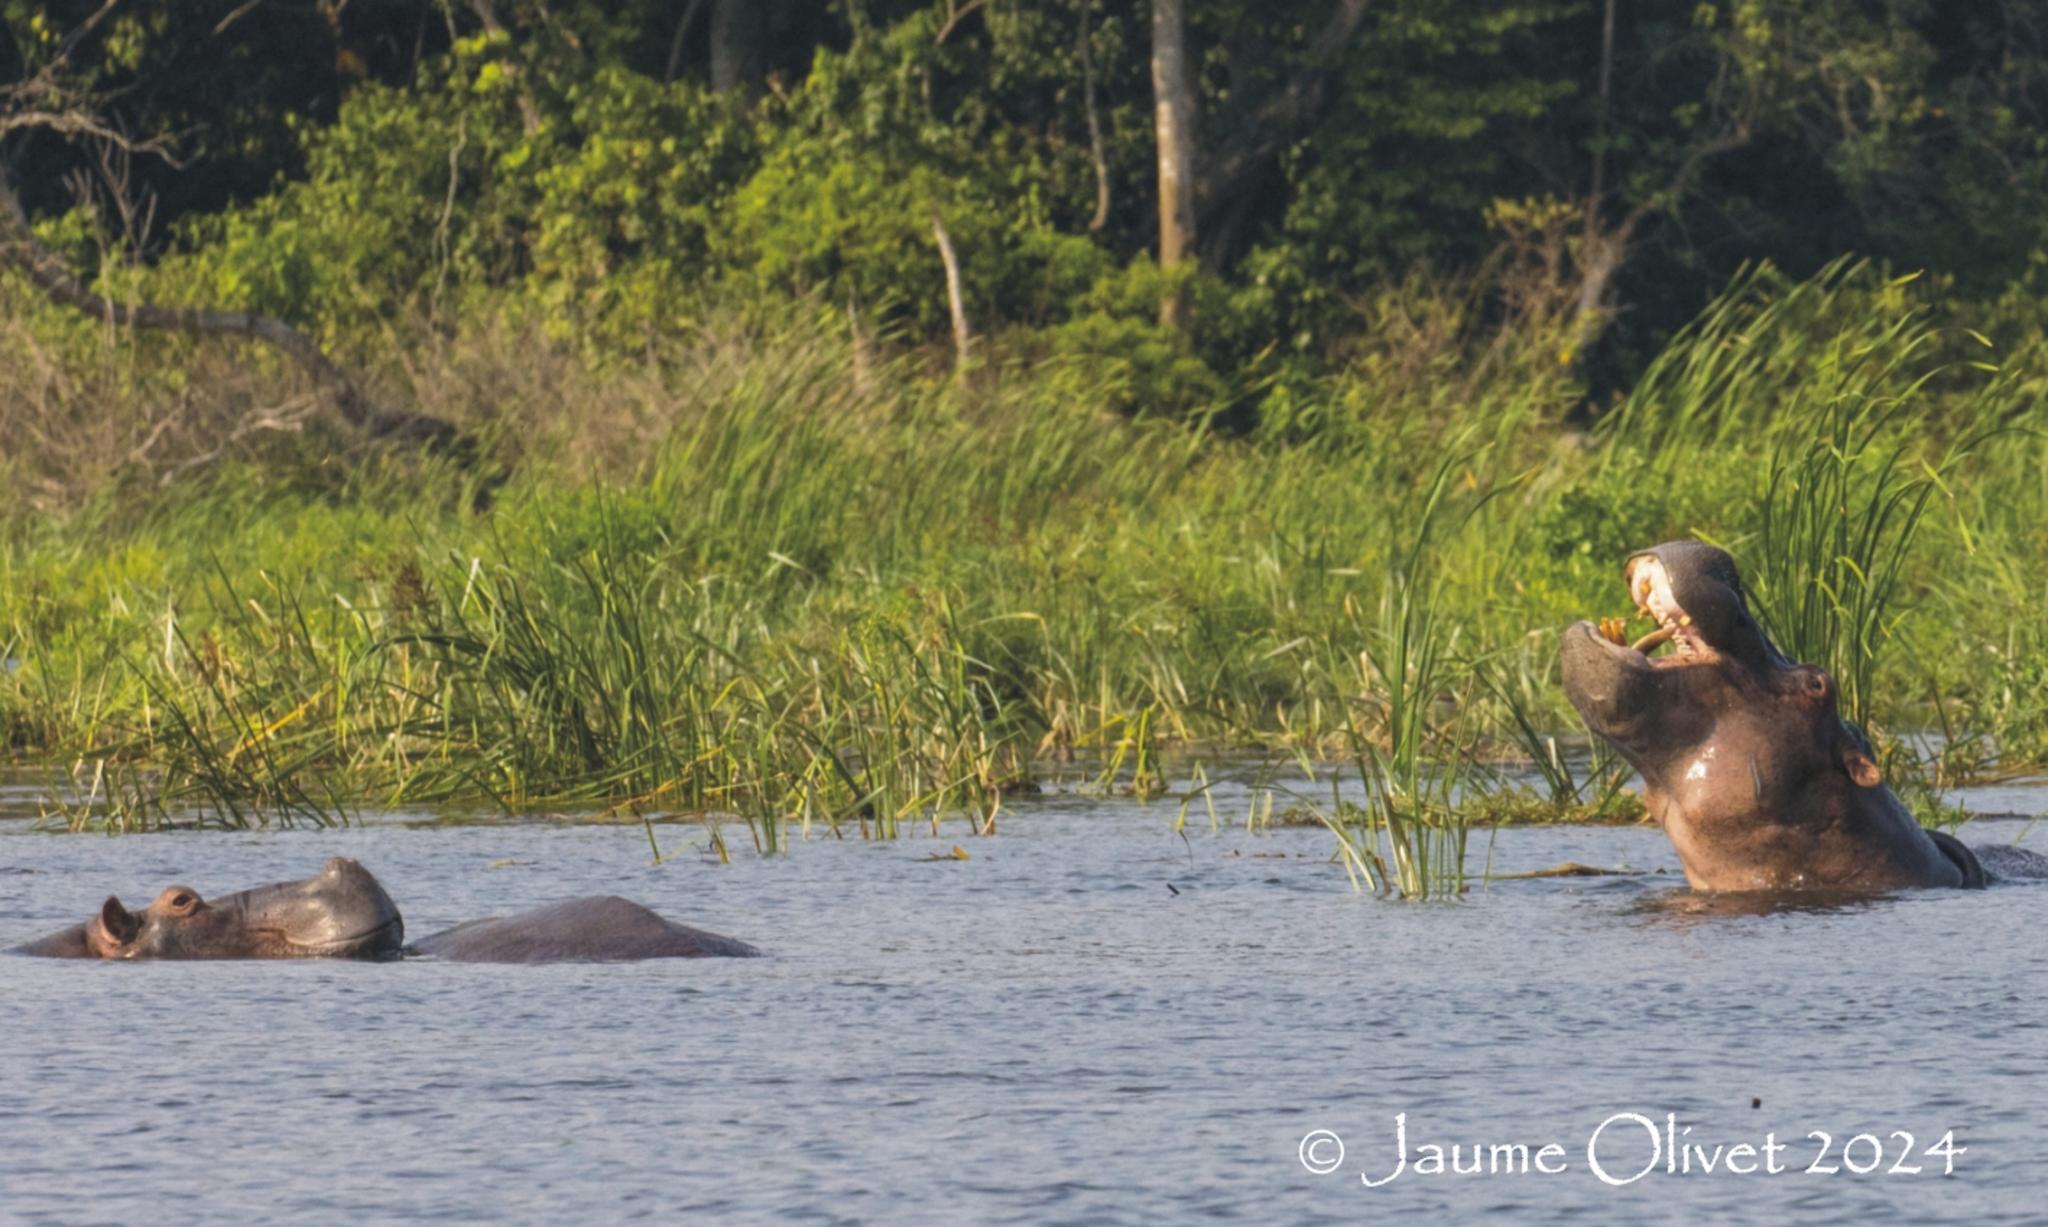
(955, 14)
(1602, 252)
(51, 100)
(45, 79)
(487, 13)
(289, 417)
(1095, 147)
(1599, 188)
(240, 11)
(443, 249)
(963, 336)
(20, 248)
(73, 123)
(529, 113)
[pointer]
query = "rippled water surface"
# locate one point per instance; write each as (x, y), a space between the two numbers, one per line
(1091, 1020)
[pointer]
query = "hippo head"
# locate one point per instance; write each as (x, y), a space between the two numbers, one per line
(1722, 693)
(340, 912)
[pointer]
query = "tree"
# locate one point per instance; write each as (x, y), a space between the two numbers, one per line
(1173, 109)
(735, 45)
(1193, 182)
(53, 98)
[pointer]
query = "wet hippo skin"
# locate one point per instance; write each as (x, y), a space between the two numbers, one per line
(341, 912)
(1758, 781)
(344, 912)
(602, 928)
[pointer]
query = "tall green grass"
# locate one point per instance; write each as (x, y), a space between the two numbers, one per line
(1840, 513)
(1410, 836)
(739, 584)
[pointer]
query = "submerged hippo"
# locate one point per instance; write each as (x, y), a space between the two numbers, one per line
(343, 912)
(1745, 760)
(603, 928)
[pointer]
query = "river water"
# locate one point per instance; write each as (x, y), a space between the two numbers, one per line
(1092, 1020)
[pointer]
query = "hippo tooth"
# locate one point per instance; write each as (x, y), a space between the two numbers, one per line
(1654, 639)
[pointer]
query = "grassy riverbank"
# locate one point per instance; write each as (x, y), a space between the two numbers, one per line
(749, 572)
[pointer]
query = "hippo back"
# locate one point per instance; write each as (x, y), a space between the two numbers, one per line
(603, 928)
(65, 944)
(2006, 863)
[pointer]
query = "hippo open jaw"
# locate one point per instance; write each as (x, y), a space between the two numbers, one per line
(1650, 587)
(1675, 631)
(1745, 758)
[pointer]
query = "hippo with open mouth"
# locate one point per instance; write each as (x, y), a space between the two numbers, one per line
(342, 912)
(1746, 761)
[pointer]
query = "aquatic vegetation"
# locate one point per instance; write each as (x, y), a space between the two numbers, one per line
(1413, 763)
(1594, 790)
(747, 582)
(1841, 507)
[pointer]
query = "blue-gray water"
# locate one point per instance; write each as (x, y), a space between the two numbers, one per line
(1045, 1033)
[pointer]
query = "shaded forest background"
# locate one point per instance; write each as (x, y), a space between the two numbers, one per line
(1593, 173)
(846, 412)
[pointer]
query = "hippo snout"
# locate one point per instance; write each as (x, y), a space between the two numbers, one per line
(1601, 678)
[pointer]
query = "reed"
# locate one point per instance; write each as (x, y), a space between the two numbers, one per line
(1409, 838)
(737, 583)
(1840, 512)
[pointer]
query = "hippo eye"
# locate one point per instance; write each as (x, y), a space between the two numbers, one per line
(182, 901)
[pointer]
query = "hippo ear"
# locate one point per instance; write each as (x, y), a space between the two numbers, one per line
(1812, 683)
(1861, 767)
(115, 926)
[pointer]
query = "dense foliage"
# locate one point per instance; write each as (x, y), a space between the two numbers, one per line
(749, 537)
(618, 165)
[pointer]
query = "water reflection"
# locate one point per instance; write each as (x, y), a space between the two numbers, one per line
(1683, 906)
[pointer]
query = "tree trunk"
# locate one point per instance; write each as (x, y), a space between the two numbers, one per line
(956, 303)
(1173, 112)
(736, 27)
(1599, 189)
(1599, 254)
(1095, 144)
(676, 44)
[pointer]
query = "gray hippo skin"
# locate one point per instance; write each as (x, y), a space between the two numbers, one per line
(341, 912)
(602, 928)
(1746, 762)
